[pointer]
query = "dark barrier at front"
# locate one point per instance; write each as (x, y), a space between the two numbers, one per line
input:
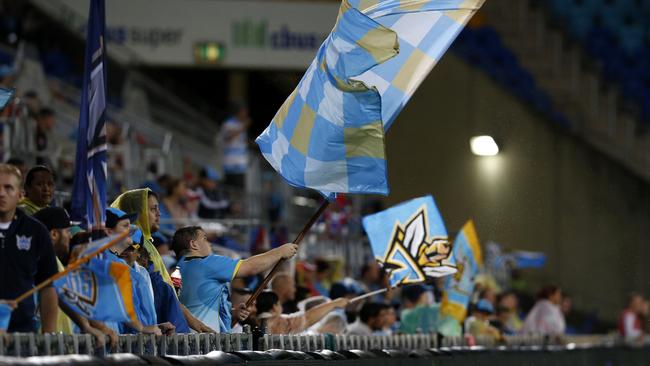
(413, 350)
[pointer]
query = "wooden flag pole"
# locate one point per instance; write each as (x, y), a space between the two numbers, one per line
(297, 241)
(76, 264)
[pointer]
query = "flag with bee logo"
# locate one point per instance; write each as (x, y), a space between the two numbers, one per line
(103, 289)
(410, 241)
(468, 259)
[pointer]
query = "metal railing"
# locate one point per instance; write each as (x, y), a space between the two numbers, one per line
(30, 344)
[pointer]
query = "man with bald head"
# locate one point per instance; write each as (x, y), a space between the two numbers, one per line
(284, 286)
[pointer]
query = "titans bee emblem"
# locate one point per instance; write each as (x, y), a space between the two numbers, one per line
(413, 255)
(410, 241)
(80, 289)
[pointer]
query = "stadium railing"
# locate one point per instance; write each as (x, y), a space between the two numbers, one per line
(30, 344)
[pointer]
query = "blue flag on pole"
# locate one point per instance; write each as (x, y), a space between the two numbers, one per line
(329, 134)
(5, 316)
(6, 94)
(468, 259)
(103, 289)
(410, 241)
(89, 192)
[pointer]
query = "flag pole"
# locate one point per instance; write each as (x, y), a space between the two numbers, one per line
(297, 241)
(369, 294)
(76, 264)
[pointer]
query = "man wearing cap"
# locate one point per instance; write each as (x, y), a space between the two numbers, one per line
(145, 202)
(26, 258)
(57, 222)
(212, 202)
(479, 323)
(118, 222)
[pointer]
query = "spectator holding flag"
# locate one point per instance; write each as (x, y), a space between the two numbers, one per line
(145, 203)
(206, 276)
(269, 310)
(57, 221)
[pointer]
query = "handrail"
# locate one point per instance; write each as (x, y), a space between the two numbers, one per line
(30, 344)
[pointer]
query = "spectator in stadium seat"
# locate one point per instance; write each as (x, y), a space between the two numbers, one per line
(168, 307)
(213, 203)
(509, 303)
(118, 222)
(479, 323)
(239, 296)
(284, 286)
(389, 321)
(370, 319)
(161, 242)
(322, 277)
(27, 258)
(33, 103)
(45, 121)
(630, 324)
(370, 279)
(233, 137)
(420, 314)
(57, 222)
(546, 316)
(206, 275)
(39, 190)
(269, 310)
(174, 204)
(145, 203)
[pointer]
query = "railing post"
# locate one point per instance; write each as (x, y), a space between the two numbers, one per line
(162, 347)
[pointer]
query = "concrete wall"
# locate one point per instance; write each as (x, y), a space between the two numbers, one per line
(546, 191)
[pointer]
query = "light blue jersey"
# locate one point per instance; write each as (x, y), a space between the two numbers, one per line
(205, 289)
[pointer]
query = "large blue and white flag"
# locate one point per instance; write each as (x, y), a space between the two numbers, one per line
(101, 289)
(329, 134)
(89, 192)
(410, 241)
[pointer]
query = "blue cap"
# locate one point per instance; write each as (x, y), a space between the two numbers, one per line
(159, 239)
(113, 215)
(211, 173)
(137, 237)
(485, 306)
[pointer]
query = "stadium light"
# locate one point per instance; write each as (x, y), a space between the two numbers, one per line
(483, 145)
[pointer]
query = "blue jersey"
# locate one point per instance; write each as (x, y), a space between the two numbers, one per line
(205, 289)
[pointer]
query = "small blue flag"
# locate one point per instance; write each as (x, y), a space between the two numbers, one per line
(410, 241)
(89, 191)
(102, 289)
(6, 94)
(525, 259)
(5, 316)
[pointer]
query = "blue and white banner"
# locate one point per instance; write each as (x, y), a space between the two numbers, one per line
(410, 241)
